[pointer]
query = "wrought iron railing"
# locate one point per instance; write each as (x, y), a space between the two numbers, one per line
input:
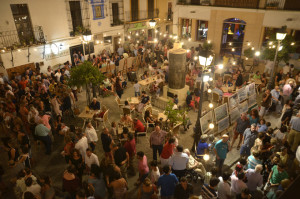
(252, 4)
(131, 16)
(13, 39)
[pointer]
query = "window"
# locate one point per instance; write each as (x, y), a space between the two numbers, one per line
(98, 11)
(150, 9)
(115, 13)
(107, 40)
(170, 16)
(23, 23)
(186, 27)
(76, 15)
(134, 10)
(202, 27)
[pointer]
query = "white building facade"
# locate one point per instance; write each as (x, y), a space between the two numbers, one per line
(48, 32)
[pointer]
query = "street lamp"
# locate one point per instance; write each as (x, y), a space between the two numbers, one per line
(280, 35)
(152, 23)
(205, 60)
(87, 37)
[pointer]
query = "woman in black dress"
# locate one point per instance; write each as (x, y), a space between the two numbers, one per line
(78, 162)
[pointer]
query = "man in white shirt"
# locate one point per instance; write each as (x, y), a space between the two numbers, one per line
(179, 161)
(237, 184)
(286, 69)
(35, 189)
(90, 159)
(91, 135)
(82, 144)
(254, 178)
(58, 75)
(224, 186)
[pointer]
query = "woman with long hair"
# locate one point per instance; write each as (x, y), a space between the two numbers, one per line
(118, 86)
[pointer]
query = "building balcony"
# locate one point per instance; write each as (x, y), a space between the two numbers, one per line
(135, 16)
(13, 39)
(251, 4)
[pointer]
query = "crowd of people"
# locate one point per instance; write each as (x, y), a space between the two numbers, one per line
(35, 105)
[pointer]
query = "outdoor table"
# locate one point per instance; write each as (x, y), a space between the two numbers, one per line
(225, 89)
(87, 115)
(162, 116)
(256, 81)
(147, 81)
(226, 97)
(133, 100)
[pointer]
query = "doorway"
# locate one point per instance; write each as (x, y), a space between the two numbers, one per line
(73, 49)
(232, 36)
(116, 43)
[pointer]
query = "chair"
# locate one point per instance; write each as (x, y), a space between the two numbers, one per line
(104, 119)
(147, 124)
(119, 103)
(175, 129)
(215, 97)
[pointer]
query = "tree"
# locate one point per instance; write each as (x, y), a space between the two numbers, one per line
(175, 115)
(283, 55)
(86, 75)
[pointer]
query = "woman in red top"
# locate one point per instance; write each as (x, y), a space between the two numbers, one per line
(167, 152)
(131, 150)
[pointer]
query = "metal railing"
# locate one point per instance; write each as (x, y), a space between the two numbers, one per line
(13, 39)
(131, 16)
(252, 4)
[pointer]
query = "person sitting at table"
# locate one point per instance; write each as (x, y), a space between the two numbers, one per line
(256, 76)
(228, 82)
(126, 120)
(95, 105)
(219, 82)
(107, 84)
(128, 106)
(138, 126)
(149, 118)
(101, 114)
(145, 75)
(145, 100)
(219, 91)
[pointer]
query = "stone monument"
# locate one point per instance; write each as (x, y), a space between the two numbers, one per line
(177, 72)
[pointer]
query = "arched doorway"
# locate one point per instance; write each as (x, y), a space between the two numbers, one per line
(232, 36)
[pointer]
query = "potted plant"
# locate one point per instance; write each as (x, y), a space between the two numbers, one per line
(175, 116)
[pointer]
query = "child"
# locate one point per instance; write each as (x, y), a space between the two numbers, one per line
(137, 87)
(154, 172)
(175, 100)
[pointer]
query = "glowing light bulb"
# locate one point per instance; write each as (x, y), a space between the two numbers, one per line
(270, 43)
(206, 157)
(209, 70)
(246, 58)
(208, 41)
(252, 48)
(293, 43)
(211, 126)
(195, 58)
(232, 49)
(210, 105)
(220, 66)
(190, 39)
(210, 79)
(248, 44)
(209, 90)
(19, 50)
(233, 63)
(97, 42)
(230, 44)
(257, 53)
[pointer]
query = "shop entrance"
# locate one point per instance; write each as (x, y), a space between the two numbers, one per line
(233, 36)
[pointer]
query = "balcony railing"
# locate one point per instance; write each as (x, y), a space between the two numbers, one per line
(252, 4)
(141, 15)
(12, 39)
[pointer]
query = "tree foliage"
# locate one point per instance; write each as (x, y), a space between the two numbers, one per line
(249, 53)
(283, 55)
(175, 116)
(85, 74)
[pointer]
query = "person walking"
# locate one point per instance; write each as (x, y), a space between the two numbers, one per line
(249, 137)
(157, 139)
(167, 182)
(179, 162)
(266, 102)
(221, 149)
(42, 132)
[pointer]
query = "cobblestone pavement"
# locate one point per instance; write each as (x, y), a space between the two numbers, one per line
(54, 164)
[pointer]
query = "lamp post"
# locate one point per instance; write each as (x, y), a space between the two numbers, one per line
(280, 35)
(87, 37)
(204, 61)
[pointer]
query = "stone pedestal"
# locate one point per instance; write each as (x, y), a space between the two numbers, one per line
(168, 93)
